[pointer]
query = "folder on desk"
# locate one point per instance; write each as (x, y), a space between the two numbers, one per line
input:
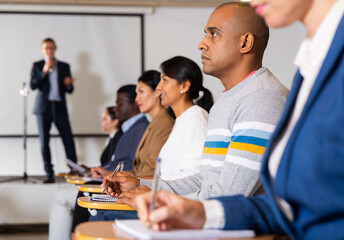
(138, 230)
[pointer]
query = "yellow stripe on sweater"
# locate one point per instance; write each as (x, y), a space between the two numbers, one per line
(247, 147)
(218, 151)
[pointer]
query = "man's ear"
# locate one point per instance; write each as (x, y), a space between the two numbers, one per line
(246, 42)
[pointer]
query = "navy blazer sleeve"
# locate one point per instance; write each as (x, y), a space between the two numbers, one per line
(249, 213)
(37, 76)
(64, 70)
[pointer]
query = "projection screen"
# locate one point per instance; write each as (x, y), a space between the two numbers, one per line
(104, 51)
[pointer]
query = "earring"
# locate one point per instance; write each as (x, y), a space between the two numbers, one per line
(181, 91)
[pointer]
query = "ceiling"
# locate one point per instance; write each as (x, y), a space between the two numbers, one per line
(147, 3)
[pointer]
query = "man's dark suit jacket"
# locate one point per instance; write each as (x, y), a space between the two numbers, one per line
(40, 81)
(127, 145)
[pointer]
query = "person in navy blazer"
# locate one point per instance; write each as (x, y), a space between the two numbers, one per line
(52, 79)
(303, 166)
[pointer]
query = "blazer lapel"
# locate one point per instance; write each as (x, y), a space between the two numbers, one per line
(143, 139)
(281, 125)
(334, 52)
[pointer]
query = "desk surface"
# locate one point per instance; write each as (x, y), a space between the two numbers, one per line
(77, 181)
(92, 188)
(105, 231)
(86, 203)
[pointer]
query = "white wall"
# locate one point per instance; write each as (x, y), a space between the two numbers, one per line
(168, 32)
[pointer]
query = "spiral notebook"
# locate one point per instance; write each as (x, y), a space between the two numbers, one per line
(102, 198)
(138, 230)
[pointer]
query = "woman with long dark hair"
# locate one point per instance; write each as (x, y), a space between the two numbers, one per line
(180, 86)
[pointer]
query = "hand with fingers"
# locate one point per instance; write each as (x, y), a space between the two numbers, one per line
(130, 196)
(171, 211)
(121, 182)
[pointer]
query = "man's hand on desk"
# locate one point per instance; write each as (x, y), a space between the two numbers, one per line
(172, 211)
(122, 182)
(130, 196)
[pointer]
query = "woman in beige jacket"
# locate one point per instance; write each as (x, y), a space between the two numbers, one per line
(157, 132)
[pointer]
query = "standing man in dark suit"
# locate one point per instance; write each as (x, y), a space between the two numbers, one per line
(53, 79)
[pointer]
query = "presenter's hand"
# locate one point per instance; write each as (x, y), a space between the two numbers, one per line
(48, 65)
(130, 196)
(121, 182)
(172, 211)
(68, 81)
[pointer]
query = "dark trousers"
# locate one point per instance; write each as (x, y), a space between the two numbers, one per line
(57, 113)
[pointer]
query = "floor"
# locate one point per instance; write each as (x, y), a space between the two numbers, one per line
(24, 232)
(24, 236)
(9, 228)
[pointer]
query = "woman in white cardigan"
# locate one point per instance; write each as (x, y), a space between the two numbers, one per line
(180, 84)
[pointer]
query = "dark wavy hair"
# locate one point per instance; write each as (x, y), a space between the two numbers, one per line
(183, 69)
(151, 78)
(111, 112)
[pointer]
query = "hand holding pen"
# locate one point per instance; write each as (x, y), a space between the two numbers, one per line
(171, 211)
(119, 168)
(121, 182)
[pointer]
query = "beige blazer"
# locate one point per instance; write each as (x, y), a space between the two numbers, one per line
(151, 143)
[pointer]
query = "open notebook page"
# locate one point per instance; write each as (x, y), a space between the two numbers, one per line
(137, 229)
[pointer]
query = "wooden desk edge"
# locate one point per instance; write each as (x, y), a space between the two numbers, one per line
(76, 181)
(90, 188)
(87, 231)
(103, 205)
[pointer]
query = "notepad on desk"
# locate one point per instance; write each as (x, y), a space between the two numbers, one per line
(138, 230)
(102, 198)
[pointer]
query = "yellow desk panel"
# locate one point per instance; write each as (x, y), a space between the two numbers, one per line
(92, 188)
(86, 203)
(77, 181)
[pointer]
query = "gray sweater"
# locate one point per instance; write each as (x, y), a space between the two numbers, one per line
(239, 126)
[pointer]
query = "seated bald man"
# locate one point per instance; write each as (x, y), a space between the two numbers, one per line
(240, 122)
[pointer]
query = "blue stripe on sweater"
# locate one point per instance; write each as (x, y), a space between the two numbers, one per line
(216, 144)
(252, 133)
(250, 140)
